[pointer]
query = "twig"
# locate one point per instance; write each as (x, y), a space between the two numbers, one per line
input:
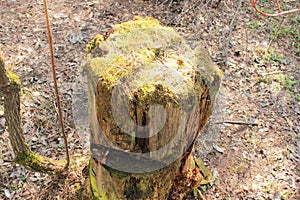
(280, 11)
(228, 38)
(247, 42)
(55, 83)
(238, 123)
(279, 72)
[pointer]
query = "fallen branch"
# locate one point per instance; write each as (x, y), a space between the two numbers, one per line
(280, 11)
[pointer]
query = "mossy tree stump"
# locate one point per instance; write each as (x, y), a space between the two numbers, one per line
(150, 93)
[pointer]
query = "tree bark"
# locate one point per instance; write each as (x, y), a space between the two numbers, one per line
(149, 96)
(9, 85)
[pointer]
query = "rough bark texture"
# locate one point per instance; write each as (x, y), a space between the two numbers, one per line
(10, 87)
(141, 150)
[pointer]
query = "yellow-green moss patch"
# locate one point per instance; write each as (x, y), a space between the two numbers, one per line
(143, 41)
(13, 77)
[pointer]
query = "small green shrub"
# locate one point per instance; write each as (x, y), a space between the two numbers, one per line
(286, 81)
(254, 25)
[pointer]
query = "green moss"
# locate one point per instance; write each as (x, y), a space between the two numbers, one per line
(146, 90)
(116, 173)
(112, 67)
(33, 161)
(265, 80)
(210, 73)
(139, 51)
(96, 194)
(94, 187)
(29, 157)
(94, 43)
(133, 43)
(140, 186)
(137, 22)
(13, 77)
(207, 176)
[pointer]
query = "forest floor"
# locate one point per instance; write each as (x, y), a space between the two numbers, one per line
(252, 142)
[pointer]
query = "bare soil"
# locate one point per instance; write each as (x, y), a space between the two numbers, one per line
(251, 144)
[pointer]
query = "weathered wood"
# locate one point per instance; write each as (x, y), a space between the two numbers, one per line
(10, 86)
(149, 96)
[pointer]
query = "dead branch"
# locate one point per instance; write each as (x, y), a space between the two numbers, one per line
(10, 87)
(280, 11)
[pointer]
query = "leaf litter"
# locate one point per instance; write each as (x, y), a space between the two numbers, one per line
(247, 162)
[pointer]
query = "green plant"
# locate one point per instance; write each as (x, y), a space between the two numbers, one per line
(14, 188)
(265, 80)
(23, 178)
(271, 13)
(266, 10)
(270, 57)
(287, 81)
(297, 44)
(280, 30)
(217, 179)
(252, 25)
(298, 97)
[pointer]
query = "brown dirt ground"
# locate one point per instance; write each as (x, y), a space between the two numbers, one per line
(259, 57)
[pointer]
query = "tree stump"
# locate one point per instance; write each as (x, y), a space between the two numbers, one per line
(150, 94)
